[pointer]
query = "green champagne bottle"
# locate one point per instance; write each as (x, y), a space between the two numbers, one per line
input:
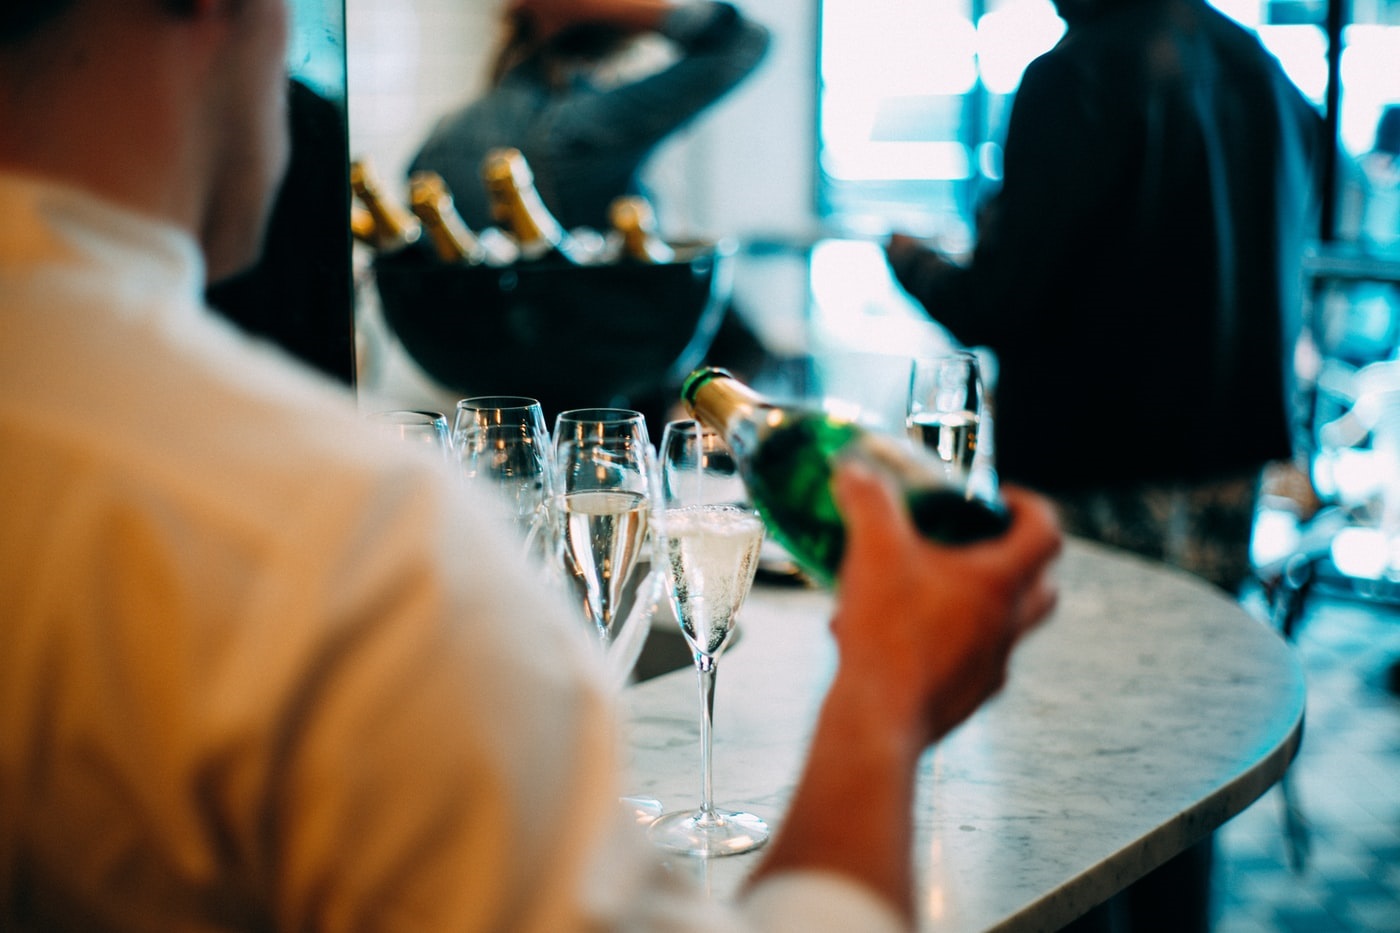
(786, 455)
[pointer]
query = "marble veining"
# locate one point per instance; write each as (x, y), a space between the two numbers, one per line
(1146, 713)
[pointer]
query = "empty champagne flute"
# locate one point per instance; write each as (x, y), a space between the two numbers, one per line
(944, 413)
(502, 444)
(415, 426)
(603, 461)
(709, 539)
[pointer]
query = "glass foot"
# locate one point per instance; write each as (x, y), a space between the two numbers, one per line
(709, 835)
(643, 810)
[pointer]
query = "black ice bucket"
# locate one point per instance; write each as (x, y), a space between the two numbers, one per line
(570, 336)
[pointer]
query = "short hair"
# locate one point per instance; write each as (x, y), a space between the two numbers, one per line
(21, 18)
(584, 43)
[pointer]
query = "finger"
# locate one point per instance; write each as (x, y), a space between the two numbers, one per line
(1031, 506)
(1035, 535)
(868, 506)
(1037, 604)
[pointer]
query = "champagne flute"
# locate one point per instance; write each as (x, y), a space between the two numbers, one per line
(597, 520)
(415, 426)
(602, 497)
(503, 445)
(710, 537)
(944, 413)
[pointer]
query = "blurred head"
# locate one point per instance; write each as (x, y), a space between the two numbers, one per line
(174, 108)
(579, 46)
(249, 116)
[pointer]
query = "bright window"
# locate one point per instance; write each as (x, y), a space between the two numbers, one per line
(914, 96)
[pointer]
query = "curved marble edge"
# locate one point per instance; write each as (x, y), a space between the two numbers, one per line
(1095, 764)
(1104, 749)
(1078, 895)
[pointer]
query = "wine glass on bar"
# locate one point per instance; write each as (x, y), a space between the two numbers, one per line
(709, 539)
(415, 426)
(596, 522)
(502, 444)
(599, 509)
(944, 414)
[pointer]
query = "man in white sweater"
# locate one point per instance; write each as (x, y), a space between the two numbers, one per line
(259, 670)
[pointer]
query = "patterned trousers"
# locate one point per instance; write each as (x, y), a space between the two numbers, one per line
(1203, 527)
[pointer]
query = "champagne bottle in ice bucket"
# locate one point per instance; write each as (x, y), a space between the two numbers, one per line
(454, 241)
(519, 210)
(634, 227)
(389, 227)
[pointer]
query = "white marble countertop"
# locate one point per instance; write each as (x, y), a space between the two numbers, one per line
(1146, 713)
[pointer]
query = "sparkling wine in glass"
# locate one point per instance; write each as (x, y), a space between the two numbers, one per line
(503, 446)
(709, 538)
(944, 414)
(603, 462)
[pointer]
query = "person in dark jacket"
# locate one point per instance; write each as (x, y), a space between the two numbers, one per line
(1138, 277)
(588, 138)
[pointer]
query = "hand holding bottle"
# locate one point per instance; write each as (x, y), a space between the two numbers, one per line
(787, 455)
(924, 632)
(927, 628)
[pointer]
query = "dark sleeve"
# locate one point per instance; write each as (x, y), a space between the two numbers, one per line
(1059, 160)
(717, 48)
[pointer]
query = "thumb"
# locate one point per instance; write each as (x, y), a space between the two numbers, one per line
(870, 509)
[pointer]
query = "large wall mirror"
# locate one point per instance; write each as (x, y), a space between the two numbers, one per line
(763, 166)
(299, 295)
(743, 169)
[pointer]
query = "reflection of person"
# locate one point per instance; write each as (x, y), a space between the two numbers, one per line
(588, 132)
(588, 139)
(1138, 277)
(1380, 224)
(262, 669)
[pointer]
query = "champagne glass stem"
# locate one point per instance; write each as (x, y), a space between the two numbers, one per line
(706, 668)
(603, 613)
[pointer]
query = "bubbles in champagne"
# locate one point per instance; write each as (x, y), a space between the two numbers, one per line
(711, 558)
